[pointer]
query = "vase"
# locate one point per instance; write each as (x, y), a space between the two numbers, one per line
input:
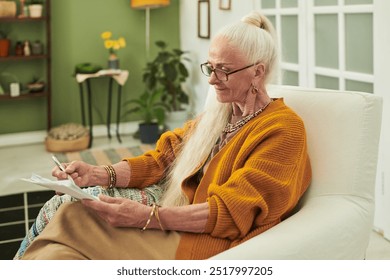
(4, 47)
(113, 62)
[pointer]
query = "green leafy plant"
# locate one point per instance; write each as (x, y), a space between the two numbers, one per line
(149, 106)
(4, 34)
(167, 72)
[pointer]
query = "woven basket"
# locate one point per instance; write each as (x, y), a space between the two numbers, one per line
(7, 9)
(63, 146)
(67, 138)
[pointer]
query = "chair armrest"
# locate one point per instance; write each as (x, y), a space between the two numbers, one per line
(327, 227)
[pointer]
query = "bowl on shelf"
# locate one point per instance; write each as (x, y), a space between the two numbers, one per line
(36, 87)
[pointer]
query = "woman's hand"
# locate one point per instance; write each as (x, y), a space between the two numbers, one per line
(120, 212)
(81, 173)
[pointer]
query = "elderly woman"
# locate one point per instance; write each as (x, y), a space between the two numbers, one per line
(230, 174)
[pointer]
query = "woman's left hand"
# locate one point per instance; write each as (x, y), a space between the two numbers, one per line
(119, 212)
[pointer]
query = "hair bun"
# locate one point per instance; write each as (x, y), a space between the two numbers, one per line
(255, 18)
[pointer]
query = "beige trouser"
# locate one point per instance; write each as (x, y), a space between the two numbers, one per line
(77, 233)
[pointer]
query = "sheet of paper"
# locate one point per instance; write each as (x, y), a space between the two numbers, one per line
(62, 186)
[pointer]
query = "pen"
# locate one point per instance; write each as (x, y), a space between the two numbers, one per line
(57, 162)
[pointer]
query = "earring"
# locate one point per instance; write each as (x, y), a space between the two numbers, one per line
(255, 90)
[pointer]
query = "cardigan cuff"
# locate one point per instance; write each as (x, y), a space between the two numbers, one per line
(213, 214)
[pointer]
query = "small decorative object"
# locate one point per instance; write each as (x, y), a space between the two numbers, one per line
(19, 48)
(35, 9)
(4, 44)
(36, 85)
(14, 89)
(22, 10)
(7, 9)
(204, 19)
(10, 82)
(37, 48)
(26, 48)
(225, 4)
(113, 46)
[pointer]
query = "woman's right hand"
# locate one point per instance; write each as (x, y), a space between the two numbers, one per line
(80, 172)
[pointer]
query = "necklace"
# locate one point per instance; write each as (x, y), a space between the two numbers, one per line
(231, 127)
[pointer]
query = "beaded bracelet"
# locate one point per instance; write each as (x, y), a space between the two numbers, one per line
(111, 176)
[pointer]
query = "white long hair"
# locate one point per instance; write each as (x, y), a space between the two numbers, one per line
(255, 37)
(196, 148)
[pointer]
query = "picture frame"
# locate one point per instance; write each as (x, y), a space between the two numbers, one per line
(204, 19)
(225, 4)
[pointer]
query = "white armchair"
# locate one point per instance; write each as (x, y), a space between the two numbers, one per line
(335, 216)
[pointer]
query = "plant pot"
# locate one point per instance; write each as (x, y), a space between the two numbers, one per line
(176, 119)
(35, 10)
(4, 47)
(149, 133)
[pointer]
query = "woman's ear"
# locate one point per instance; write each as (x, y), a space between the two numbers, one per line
(260, 70)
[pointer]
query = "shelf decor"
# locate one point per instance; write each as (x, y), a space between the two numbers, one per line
(113, 46)
(7, 9)
(23, 25)
(4, 44)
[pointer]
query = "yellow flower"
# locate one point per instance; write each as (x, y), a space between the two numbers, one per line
(122, 42)
(106, 35)
(111, 44)
(108, 44)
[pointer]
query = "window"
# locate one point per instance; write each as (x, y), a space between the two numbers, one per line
(325, 43)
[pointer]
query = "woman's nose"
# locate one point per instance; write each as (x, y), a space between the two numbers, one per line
(213, 79)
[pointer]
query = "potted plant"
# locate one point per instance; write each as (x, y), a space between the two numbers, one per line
(35, 8)
(152, 110)
(4, 44)
(167, 72)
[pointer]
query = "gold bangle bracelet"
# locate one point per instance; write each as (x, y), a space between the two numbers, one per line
(111, 176)
(158, 217)
(150, 217)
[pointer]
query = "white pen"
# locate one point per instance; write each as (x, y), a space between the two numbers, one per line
(57, 162)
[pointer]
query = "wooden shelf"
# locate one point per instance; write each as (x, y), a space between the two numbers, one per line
(45, 30)
(29, 95)
(25, 19)
(23, 58)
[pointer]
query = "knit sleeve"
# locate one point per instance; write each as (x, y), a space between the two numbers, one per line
(151, 167)
(266, 182)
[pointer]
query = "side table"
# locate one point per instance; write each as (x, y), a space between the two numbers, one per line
(120, 76)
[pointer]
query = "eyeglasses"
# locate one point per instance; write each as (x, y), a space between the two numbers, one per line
(220, 74)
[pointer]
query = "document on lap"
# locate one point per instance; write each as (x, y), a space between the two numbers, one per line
(62, 186)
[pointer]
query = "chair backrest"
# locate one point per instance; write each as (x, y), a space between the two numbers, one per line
(343, 130)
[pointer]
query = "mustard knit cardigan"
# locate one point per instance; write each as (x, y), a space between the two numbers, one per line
(251, 184)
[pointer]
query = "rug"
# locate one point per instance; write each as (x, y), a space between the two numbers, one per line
(97, 156)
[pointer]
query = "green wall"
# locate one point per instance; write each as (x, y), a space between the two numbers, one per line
(76, 28)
